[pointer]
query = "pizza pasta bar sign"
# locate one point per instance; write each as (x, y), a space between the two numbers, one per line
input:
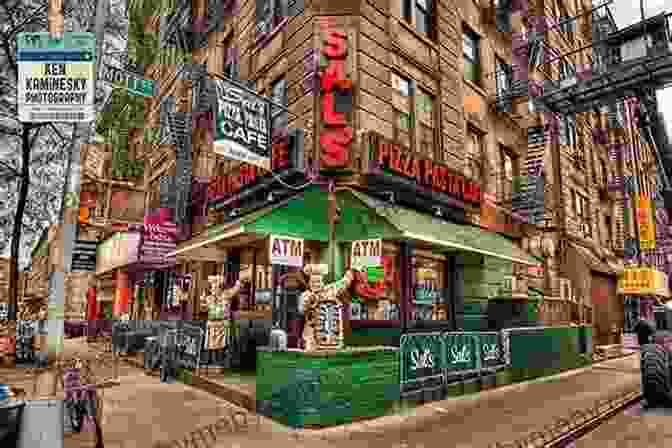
(286, 251)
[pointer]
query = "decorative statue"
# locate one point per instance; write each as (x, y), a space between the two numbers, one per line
(218, 302)
(322, 306)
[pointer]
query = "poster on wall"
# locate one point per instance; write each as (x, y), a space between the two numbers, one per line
(286, 251)
(242, 125)
(55, 79)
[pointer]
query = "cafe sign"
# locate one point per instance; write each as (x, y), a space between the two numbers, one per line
(242, 125)
(286, 251)
(365, 253)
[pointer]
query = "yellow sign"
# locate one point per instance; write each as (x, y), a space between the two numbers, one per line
(643, 281)
(647, 228)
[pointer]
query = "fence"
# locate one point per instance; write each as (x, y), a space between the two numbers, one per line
(429, 362)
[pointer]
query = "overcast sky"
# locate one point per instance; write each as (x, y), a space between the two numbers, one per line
(626, 12)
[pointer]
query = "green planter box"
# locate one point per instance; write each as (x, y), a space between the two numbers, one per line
(503, 377)
(454, 390)
(472, 386)
(325, 389)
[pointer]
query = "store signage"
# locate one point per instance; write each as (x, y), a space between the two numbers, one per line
(84, 256)
(121, 249)
(336, 135)
(159, 237)
(286, 251)
(647, 227)
(248, 189)
(365, 253)
(643, 281)
(134, 83)
(425, 173)
(55, 80)
(242, 125)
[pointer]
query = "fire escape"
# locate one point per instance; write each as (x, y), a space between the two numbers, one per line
(632, 62)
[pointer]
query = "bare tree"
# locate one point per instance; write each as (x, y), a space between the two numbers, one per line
(33, 165)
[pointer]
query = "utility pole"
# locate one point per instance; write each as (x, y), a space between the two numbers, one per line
(69, 214)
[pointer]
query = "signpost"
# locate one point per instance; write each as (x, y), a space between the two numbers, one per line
(56, 77)
(286, 251)
(242, 125)
(133, 82)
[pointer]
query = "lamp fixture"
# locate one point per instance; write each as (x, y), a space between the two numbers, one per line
(437, 211)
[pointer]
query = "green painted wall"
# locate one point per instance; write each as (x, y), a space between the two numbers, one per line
(373, 337)
(328, 389)
(483, 278)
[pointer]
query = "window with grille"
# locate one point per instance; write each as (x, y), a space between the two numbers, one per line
(509, 171)
(230, 59)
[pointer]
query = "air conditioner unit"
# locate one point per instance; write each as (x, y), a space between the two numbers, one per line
(510, 284)
(568, 82)
(566, 292)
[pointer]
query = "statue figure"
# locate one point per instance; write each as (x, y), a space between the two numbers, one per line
(220, 317)
(322, 306)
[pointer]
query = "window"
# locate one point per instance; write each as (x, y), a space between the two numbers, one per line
(427, 301)
(569, 132)
(503, 79)
(605, 172)
(270, 13)
(509, 171)
(567, 70)
(419, 14)
(580, 205)
(473, 157)
(279, 95)
(472, 58)
(503, 11)
(607, 226)
(567, 27)
(413, 130)
(230, 59)
(386, 305)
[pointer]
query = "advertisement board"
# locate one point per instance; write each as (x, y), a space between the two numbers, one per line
(242, 125)
(647, 227)
(55, 81)
(159, 238)
(643, 281)
(286, 251)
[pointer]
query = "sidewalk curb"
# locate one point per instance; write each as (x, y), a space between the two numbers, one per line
(428, 413)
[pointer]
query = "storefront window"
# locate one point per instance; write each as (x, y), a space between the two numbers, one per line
(427, 301)
(379, 300)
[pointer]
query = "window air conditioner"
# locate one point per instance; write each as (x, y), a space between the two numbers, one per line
(565, 289)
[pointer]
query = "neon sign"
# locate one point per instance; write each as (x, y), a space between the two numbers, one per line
(337, 136)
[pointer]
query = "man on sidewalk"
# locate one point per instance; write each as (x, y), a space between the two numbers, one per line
(644, 331)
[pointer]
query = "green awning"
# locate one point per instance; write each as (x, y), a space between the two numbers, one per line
(422, 227)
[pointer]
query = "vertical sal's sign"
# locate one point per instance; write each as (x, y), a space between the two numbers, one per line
(336, 136)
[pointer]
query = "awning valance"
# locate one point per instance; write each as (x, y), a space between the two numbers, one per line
(421, 227)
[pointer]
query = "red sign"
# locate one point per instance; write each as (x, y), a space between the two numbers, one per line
(337, 136)
(157, 226)
(223, 187)
(425, 172)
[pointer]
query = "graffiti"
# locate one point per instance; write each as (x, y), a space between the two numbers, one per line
(421, 360)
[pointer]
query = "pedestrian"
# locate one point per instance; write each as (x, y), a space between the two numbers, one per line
(644, 331)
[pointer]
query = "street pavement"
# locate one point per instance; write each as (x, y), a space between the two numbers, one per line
(143, 412)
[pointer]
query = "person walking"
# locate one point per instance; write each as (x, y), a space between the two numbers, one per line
(644, 331)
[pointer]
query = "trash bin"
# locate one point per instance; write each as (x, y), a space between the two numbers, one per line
(10, 423)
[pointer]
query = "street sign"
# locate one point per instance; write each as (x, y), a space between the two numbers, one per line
(133, 82)
(84, 256)
(56, 77)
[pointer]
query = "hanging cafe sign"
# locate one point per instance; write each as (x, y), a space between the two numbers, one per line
(247, 188)
(242, 125)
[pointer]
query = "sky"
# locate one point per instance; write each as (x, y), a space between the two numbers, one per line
(626, 13)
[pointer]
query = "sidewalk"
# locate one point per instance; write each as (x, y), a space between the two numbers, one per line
(478, 420)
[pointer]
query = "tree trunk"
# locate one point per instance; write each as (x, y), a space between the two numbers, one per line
(18, 220)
